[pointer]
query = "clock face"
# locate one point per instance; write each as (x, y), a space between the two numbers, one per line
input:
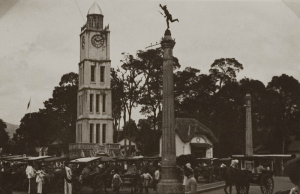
(83, 42)
(97, 41)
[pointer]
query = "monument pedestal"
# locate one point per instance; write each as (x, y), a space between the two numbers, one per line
(169, 183)
(170, 187)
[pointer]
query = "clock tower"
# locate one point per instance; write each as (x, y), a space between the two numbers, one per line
(94, 112)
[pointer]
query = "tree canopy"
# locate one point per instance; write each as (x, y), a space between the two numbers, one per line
(54, 123)
(3, 135)
(216, 99)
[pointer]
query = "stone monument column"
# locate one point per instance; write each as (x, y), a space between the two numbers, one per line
(249, 146)
(169, 183)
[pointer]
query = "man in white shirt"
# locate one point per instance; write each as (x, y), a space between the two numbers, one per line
(68, 179)
(30, 172)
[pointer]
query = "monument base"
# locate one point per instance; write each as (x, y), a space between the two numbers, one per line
(170, 186)
(78, 150)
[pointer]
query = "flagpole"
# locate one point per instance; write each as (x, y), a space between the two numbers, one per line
(30, 107)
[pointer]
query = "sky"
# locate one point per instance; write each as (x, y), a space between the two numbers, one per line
(39, 41)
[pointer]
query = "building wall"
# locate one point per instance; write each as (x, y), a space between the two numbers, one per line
(89, 50)
(185, 148)
(83, 136)
(83, 105)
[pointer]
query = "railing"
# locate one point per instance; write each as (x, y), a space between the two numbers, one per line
(86, 146)
(112, 146)
(90, 149)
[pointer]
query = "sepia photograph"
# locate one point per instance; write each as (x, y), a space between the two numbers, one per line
(153, 97)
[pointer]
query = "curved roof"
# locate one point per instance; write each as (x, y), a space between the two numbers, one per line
(186, 133)
(95, 9)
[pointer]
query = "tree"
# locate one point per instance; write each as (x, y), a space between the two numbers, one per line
(186, 83)
(118, 97)
(285, 92)
(3, 135)
(36, 129)
(224, 70)
(63, 107)
(69, 79)
(147, 139)
(131, 85)
(193, 94)
(130, 126)
(151, 65)
(56, 122)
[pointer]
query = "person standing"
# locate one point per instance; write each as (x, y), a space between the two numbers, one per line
(147, 180)
(85, 173)
(182, 175)
(102, 171)
(68, 179)
(116, 182)
(30, 172)
(191, 183)
(156, 178)
(125, 167)
(40, 180)
(2, 177)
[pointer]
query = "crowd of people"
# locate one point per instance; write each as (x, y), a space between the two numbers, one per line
(149, 174)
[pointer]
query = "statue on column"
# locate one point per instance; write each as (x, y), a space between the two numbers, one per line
(167, 15)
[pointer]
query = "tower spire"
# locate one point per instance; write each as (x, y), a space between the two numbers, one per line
(95, 18)
(95, 9)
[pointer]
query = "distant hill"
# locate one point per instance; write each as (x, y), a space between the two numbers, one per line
(11, 129)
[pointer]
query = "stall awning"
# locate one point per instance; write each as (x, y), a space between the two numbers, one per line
(201, 145)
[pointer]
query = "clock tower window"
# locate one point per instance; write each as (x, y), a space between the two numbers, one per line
(82, 74)
(91, 102)
(103, 102)
(79, 100)
(102, 73)
(104, 133)
(97, 102)
(93, 73)
(91, 132)
(97, 132)
(91, 22)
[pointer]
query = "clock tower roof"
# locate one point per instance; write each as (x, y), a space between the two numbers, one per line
(95, 9)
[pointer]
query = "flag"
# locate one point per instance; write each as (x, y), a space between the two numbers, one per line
(28, 104)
